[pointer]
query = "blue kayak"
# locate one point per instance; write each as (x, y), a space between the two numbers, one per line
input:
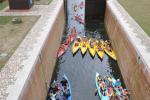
(102, 97)
(68, 87)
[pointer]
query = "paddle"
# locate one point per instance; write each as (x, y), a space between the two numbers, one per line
(96, 92)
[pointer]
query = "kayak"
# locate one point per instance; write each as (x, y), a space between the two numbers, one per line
(78, 18)
(68, 87)
(73, 34)
(100, 52)
(92, 50)
(83, 47)
(102, 97)
(75, 47)
(82, 5)
(62, 49)
(111, 54)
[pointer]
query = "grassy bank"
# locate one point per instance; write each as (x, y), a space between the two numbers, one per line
(3, 4)
(140, 11)
(11, 35)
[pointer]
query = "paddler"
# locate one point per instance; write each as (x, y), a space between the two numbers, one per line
(67, 42)
(79, 39)
(109, 48)
(76, 43)
(53, 91)
(110, 91)
(125, 94)
(92, 44)
(64, 83)
(118, 83)
(84, 39)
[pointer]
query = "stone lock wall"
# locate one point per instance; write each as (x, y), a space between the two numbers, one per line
(133, 67)
(36, 87)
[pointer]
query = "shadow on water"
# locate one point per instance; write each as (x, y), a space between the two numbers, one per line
(80, 70)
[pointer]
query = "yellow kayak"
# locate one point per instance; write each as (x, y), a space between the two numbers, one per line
(75, 47)
(111, 54)
(92, 50)
(100, 49)
(100, 53)
(83, 47)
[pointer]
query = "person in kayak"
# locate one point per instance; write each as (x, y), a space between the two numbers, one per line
(84, 39)
(118, 83)
(125, 94)
(114, 96)
(75, 7)
(91, 44)
(103, 87)
(79, 39)
(67, 42)
(99, 82)
(67, 93)
(108, 47)
(81, 5)
(64, 82)
(99, 46)
(54, 92)
(110, 91)
(76, 43)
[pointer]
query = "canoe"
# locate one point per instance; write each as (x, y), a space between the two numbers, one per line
(68, 87)
(92, 50)
(75, 47)
(72, 36)
(111, 54)
(102, 97)
(83, 47)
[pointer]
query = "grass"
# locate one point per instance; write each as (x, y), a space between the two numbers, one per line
(11, 35)
(42, 2)
(4, 20)
(140, 11)
(3, 4)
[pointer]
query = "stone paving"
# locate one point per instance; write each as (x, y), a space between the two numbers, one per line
(28, 49)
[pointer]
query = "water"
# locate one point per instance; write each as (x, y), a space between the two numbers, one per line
(80, 70)
(76, 8)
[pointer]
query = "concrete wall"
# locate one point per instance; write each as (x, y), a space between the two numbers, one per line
(92, 11)
(36, 86)
(133, 66)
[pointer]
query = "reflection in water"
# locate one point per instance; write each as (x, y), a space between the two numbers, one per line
(81, 70)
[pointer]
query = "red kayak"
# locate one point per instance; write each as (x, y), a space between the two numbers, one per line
(66, 43)
(82, 5)
(73, 34)
(79, 19)
(63, 48)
